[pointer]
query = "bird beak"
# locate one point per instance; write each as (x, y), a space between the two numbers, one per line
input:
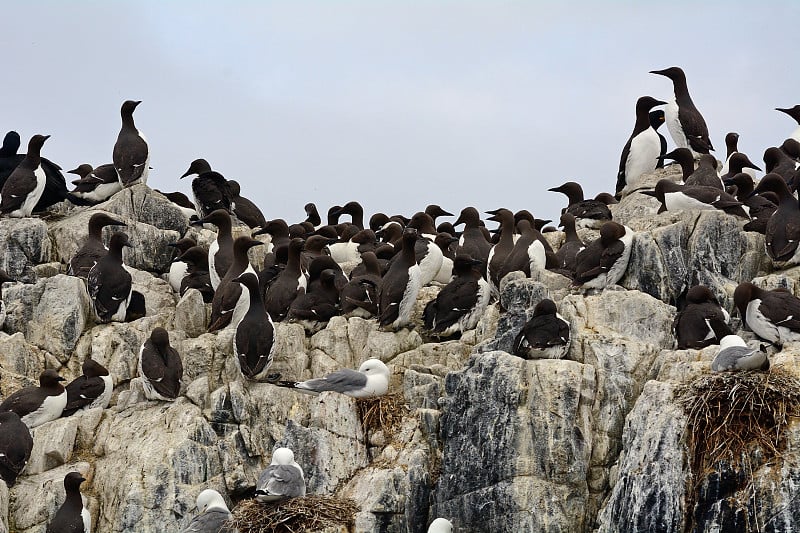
(649, 193)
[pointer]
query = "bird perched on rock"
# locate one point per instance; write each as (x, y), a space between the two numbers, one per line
(528, 255)
(676, 197)
(737, 163)
(93, 248)
(210, 189)
(244, 209)
(587, 213)
(24, 187)
(178, 268)
(758, 207)
(397, 293)
(461, 303)
(692, 324)
(705, 175)
(287, 285)
(231, 300)
(782, 233)
(131, 154)
(472, 241)
(734, 354)
(38, 405)
(684, 122)
(732, 148)
(92, 389)
(603, 262)
(95, 184)
(656, 121)
(254, 340)
(360, 296)
(197, 275)
(72, 516)
(318, 305)
(160, 367)
(684, 157)
(109, 283)
(545, 335)
(213, 515)
(772, 315)
(370, 380)
(16, 444)
(220, 253)
(499, 252)
(640, 154)
(567, 254)
(282, 479)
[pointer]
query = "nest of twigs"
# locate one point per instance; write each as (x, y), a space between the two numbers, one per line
(296, 515)
(732, 414)
(384, 413)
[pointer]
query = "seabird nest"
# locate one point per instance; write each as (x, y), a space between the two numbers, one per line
(383, 413)
(296, 515)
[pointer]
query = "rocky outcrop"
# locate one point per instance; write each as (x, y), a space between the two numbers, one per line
(495, 443)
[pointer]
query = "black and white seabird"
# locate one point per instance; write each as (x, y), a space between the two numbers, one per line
(776, 161)
(220, 253)
(95, 184)
(278, 231)
(254, 340)
(360, 296)
(24, 187)
(72, 516)
(446, 243)
(399, 287)
(499, 252)
(38, 405)
(656, 121)
(231, 300)
(109, 283)
(737, 163)
(676, 197)
(772, 315)
(287, 285)
(528, 253)
(16, 444)
(355, 211)
(197, 276)
(793, 112)
(282, 479)
(472, 241)
(568, 252)
(92, 389)
(55, 189)
(210, 189)
(734, 354)
(545, 335)
(369, 381)
(429, 256)
(461, 303)
(684, 122)
(588, 213)
(732, 149)
(312, 214)
(758, 207)
(213, 517)
(640, 154)
(160, 367)
(603, 262)
(692, 325)
(244, 209)
(435, 211)
(705, 175)
(179, 268)
(782, 234)
(131, 154)
(93, 248)
(318, 304)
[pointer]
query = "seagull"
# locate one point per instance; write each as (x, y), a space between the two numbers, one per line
(371, 380)
(282, 479)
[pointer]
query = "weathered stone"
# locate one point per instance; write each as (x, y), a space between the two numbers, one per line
(35, 499)
(517, 437)
(52, 313)
(143, 204)
(53, 444)
(19, 357)
(23, 244)
(649, 492)
(191, 314)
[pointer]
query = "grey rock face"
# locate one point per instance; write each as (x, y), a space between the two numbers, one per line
(517, 437)
(52, 313)
(23, 244)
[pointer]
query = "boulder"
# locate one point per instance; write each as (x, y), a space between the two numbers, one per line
(23, 245)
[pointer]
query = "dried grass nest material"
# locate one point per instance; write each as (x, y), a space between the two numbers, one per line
(296, 515)
(384, 413)
(731, 413)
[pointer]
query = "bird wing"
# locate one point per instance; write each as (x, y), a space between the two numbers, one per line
(343, 380)
(105, 293)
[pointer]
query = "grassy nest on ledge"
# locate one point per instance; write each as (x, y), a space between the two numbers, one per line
(384, 413)
(731, 414)
(296, 515)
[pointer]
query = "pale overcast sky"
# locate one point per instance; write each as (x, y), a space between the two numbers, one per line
(394, 104)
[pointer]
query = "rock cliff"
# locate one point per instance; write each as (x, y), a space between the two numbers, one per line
(495, 443)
